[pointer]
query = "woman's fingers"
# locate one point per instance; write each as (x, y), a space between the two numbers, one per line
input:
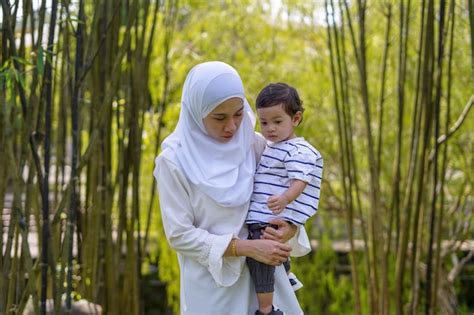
(282, 234)
(282, 252)
(271, 252)
(277, 261)
(271, 234)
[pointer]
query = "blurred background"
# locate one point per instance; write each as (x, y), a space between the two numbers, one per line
(89, 89)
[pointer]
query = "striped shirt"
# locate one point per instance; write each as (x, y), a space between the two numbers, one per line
(281, 163)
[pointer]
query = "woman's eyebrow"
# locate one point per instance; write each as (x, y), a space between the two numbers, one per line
(225, 114)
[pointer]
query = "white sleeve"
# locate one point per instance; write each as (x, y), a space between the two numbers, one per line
(259, 146)
(178, 217)
(300, 244)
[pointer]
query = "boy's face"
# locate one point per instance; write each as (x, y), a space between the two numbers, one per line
(276, 124)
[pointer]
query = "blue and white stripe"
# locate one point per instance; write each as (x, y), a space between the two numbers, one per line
(280, 163)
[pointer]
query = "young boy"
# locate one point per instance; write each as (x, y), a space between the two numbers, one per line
(287, 181)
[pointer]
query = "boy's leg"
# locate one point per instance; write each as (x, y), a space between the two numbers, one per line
(262, 275)
(264, 281)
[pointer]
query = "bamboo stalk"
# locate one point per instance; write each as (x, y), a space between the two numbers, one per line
(169, 24)
(372, 295)
(462, 117)
(20, 224)
(439, 228)
(426, 100)
(346, 151)
(335, 55)
(71, 220)
(374, 229)
(471, 24)
(384, 290)
(352, 162)
(435, 187)
(402, 248)
(3, 168)
(45, 197)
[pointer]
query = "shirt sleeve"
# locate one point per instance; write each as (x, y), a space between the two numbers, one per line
(304, 166)
(183, 236)
(259, 146)
(300, 244)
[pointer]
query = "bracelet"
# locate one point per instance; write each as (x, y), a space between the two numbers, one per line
(233, 247)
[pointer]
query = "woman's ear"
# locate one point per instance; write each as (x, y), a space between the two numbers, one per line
(297, 118)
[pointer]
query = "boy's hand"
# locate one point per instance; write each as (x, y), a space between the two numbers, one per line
(277, 203)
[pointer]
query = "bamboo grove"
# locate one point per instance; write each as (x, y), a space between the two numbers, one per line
(88, 89)
(99, 56)
(406, 233)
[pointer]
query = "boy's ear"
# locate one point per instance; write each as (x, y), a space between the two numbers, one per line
(297, 118)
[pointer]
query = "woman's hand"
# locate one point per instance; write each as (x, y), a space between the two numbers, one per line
(266, 251)
(284, 232)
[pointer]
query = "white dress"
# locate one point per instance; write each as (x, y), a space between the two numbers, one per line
(200, 230)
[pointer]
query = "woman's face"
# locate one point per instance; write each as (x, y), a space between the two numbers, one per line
(223, 122)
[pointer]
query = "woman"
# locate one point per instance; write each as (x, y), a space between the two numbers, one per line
(205, 180)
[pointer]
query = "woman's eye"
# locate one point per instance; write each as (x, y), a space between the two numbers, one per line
(239, 114)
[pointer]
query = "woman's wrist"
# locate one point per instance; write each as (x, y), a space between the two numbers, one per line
(233, 247)
(243, 247)
(237, 247)
(293, 230)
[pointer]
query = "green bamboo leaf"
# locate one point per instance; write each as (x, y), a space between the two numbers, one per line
(5, 66)
(21, 60)
(40, 61)
(19, 77)
(21, 80)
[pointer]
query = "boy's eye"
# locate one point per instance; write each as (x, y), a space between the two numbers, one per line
(264, 123)
(278, 122)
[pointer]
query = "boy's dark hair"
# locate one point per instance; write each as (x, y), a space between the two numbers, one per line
(280, 94)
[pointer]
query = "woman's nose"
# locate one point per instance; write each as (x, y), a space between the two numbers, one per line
(231, 126)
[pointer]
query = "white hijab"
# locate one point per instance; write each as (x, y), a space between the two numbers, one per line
(223, 171)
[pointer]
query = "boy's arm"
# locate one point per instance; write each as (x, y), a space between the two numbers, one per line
(277, 203)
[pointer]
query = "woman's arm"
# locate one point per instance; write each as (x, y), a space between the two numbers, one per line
(266, 251)
(178, 218)
(188, 240)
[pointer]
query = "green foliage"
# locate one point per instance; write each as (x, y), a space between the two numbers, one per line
(324, 291)
(266, 41)
(169, 273)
